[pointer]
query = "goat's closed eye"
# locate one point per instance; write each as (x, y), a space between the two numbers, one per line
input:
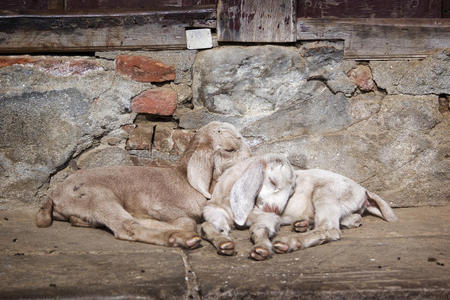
(273, 182)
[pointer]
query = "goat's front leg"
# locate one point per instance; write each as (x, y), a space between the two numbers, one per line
(216, 229)
(263, 226)
(220, 240)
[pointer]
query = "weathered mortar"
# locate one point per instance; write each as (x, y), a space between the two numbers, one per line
(380, 123)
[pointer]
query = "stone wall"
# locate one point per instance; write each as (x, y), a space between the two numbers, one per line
(386, 124)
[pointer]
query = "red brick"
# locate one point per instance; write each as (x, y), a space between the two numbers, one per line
(144, 69)
(6, 61)
(159, 101)
(54, 66)
(362, 77)
(68, 67)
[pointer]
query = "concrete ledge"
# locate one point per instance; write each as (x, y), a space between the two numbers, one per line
(406, 259)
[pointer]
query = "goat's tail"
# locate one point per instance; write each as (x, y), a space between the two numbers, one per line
(44, 215)
(378, 207)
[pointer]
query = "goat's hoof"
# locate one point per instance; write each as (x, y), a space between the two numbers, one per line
(260, 254)
(185, 240)
(226, 248)
(301, 226)
(193, 242)
(280, 247)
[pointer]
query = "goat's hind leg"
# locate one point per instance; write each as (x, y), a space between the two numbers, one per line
(179, 232)
(106, 210)
(326, 229)
(296, 241)
(351, 221)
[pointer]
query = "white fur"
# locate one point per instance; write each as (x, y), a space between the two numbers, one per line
(328, 200)
(252, 193)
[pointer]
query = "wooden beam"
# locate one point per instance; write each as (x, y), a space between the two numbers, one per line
(256, 21)
(369, 8)
(369, 39)
(90, 5)
(445, 9)
(54, 33)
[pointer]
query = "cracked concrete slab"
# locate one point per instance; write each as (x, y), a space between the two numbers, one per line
(406, 259)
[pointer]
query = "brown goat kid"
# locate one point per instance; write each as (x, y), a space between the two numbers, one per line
(149, 204)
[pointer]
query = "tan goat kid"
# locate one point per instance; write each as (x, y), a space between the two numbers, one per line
(325, 201)
(149, 204)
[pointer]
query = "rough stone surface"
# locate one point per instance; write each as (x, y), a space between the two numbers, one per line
(380, 260)
(144, 69)
(428, 76)
(37, 135)
(171, 141)
(247, 81)
(402, 142)
(140, 136)
(325, 62)
(47, 119)
(317, 110)
(104, 157)
(158, 101)
(362, 77)
(184, 92)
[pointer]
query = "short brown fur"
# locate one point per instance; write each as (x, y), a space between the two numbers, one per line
(149, 204)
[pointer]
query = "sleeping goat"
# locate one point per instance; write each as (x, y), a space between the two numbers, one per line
(149, 204)
(324, 201)
(253, 193)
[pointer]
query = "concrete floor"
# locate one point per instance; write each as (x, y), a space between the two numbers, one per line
(407, 259)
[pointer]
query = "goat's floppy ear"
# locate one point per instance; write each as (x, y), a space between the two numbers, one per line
(244, 192)
(200, 168)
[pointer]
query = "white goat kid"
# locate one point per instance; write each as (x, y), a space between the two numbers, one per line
(324, 201)
(252, 193)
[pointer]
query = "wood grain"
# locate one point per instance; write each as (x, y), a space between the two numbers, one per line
(150, 30)
(369, 8)
(256, 21)
(379, 38)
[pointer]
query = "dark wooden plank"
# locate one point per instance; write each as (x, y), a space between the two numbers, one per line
(445, 8)
(369, 8)
(256, 21)
(85, 5)
(379, 38)
(23, 5)
(192, 3)
(149, 30)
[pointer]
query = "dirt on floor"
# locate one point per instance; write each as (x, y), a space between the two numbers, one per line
(406, 259)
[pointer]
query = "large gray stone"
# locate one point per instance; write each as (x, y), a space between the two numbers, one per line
(318, 111)
(247, 80)
(429, 76)
(254, 86)
(39, 132)
(397, 147)
(104, 157)
(325, 61)
(49, 117)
